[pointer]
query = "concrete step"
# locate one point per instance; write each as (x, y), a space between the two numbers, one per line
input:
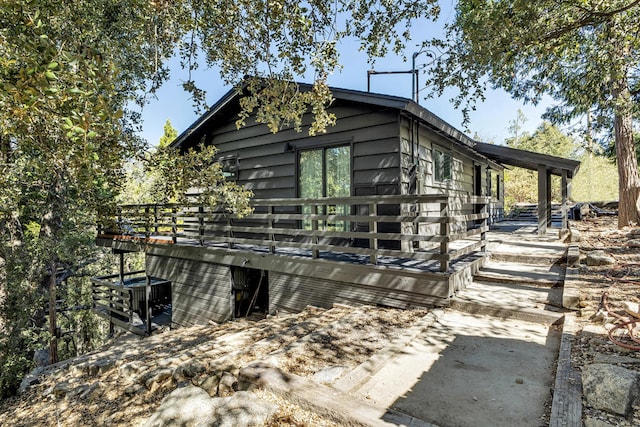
(516, 273)
(511, 301)
(324, 400)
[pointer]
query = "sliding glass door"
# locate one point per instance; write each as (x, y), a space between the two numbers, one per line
(326, 172)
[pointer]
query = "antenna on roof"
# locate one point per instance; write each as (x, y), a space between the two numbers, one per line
(414, 71)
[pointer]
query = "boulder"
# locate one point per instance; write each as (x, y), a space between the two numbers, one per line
(192, 406)
(610, 388)
(599, 258)
(329, 375)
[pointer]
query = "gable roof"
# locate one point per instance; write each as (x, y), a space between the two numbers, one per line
(388, 101)
(493, 153)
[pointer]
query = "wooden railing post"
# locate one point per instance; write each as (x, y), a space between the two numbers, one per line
(272, 237)
(119, 223)
(484, 223)
(155, 219)
(444, 232)
(229, 232)
(201, 224)
(147, 297)
(147, 224)
(174, 224)
(373, 231)
(314, 227)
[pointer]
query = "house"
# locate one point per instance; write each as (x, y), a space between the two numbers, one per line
(390, 206)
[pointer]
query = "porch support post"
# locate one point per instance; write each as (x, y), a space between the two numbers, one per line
(543, 197)
(565, 200)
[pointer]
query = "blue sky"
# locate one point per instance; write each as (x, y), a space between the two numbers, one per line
(489, 121)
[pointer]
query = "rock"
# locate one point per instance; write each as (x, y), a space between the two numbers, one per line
(210, 384)
(134, 389)
(156, 376)
(184, 406)
(61, 389)
(228, 385)
(591, 330)
(632, 308)
(634, 243)
(613, 359)
(100, 367)
(130, 370)
(32, 378)
(192, 406)
(329, 375)
(574, 236)
(610, 388)
(594, 422)
(41, 357)
(193, 368)
(599, 258)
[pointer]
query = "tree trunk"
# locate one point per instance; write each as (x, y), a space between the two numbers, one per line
(53, 324)
(629, 181)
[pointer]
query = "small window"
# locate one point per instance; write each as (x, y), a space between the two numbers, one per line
(441, 166)
(230, 167)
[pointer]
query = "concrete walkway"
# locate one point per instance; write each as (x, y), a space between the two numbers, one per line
(470, 371)
(488, 360)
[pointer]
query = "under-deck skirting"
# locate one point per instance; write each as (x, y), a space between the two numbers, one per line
(202, 283)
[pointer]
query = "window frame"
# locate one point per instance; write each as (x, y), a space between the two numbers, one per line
(442, 173)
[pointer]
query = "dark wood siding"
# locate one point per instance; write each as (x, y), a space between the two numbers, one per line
(201, 292)
(267, 161)
(293, 293)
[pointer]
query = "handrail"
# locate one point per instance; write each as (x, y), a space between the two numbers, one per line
(424, 226)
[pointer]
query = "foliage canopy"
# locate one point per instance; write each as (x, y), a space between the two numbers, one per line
(584, 54)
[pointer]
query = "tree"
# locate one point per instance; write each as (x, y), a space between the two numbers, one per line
(583, 54)
(521, 185)
(169, 135)
(70, 70)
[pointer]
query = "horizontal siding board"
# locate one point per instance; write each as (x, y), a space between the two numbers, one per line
(267, 172)
(378, 161)
(384, 176)
(376, 146)
(371, 126)
(296, 292)
(263, 161)
(343, 112)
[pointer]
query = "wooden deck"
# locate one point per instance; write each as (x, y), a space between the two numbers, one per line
(400, 251)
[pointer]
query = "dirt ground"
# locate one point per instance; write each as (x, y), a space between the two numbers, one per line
(620, 283)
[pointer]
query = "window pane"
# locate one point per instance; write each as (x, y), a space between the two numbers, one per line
(311, 173)
(338, 172)
(338, 180)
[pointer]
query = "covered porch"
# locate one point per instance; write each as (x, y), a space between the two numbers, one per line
(546, 166)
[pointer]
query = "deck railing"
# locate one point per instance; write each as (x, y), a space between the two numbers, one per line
(421, 227)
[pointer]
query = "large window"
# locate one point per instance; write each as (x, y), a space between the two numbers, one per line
(441, 165)
(326, 172)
